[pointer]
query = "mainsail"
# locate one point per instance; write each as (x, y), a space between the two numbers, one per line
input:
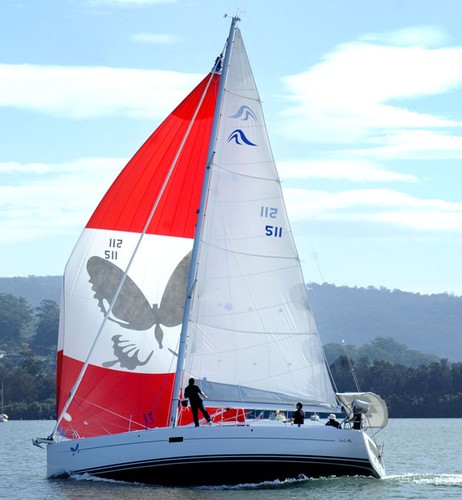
(140, 235)
(252, 339)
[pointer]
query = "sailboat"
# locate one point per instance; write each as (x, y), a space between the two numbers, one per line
(188, 269)
(3, 416)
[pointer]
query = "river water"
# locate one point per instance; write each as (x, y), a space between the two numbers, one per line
(423, 459)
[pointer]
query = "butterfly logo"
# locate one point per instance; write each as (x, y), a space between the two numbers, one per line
(132, 310)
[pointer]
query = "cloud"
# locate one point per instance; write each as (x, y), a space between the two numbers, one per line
(379, 206)
(415, 144)
(366, 90)
(418, 36)
(361, 103)
(349, 99)
(13, 167)
(351, 169)
(39, 200)
(47, 199)
(93, 92)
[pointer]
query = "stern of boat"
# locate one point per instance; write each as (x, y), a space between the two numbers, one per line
(375, 455)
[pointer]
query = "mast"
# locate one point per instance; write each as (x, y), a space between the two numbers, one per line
(200, 223)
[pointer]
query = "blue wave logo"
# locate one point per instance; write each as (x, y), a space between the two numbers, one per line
(244, 112)
(239, 138)
(76, 449)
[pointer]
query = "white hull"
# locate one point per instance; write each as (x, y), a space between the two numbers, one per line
(214, 455)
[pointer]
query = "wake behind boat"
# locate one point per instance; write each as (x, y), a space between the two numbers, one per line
(188, 268)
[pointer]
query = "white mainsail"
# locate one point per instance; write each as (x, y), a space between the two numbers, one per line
(252, 337)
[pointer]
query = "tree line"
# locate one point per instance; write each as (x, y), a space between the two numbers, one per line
(412, 383)
(28, 337)
(425, 391)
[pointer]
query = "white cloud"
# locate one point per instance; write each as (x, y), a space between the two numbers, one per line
(47, 199)
(351, 169)
(93, 92)
(415, 144)
(353, 94)
(419, 36)
(379, 206)
(348, 98)
(13, 167)
(57, 200)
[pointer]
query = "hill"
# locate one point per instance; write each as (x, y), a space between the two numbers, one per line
(431, 324)
(33, 289)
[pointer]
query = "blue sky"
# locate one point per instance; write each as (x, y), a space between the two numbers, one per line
(362, 99)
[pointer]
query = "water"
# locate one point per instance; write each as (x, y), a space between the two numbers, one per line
(423, 458)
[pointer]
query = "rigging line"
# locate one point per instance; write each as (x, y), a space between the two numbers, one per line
(326, 363)
(314, 254)
(109, 412)
(140, 239)
(350, 364)
(315, 257)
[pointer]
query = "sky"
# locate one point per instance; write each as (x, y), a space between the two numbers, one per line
(362, 101)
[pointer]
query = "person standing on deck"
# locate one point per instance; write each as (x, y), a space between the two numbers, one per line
(193, 393)
(299, 415)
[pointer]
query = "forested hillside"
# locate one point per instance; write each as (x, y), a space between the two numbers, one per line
(428, 323)
(431, 324)
(413, 383)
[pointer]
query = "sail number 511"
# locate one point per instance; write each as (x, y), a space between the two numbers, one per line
(271, 212)
(275, 231)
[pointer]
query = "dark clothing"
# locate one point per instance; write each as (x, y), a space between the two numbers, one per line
(192, 392)
(357, 421)
(334, 423)
(299, 416)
